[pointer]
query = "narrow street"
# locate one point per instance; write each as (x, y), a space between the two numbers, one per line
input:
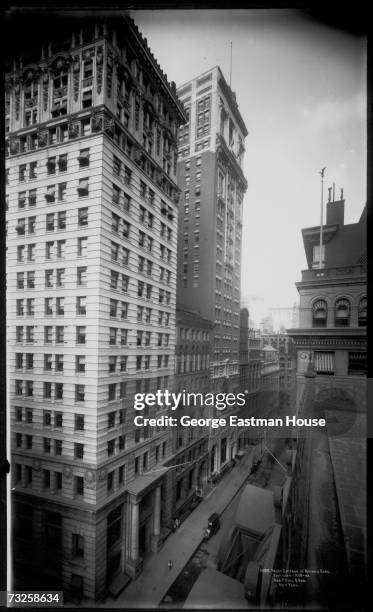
(269, 475)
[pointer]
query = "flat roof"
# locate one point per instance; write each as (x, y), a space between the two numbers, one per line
(255, 512)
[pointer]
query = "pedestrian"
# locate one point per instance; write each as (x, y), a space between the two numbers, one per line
(170, 565)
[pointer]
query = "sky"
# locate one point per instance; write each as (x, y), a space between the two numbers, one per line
(301, 90)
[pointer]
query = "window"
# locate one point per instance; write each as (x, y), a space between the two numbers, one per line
(48, 306)
(81, 305)
(61, 220)
(316, 256)
(114, 223)
(80, 335)
(58, 419)
(78, 451)
(81, 276)
(19, 307)
(31, 280)
(110, 447)
(112, 392)
(112, 363)
(324, 362)
(60, 277)
(77, 545)
(79, 485)
(362, 312)
(22, 172)
(79, 422)
(58, 480)
(59, 363)
(48, 278)
(46, 479)
(357, 364)
(58, 391)
(31, 225)
(126, 229)
(80, 363)
(61, 248)
(83, 158)
(82, 246)
(62, 163)
(21, 227)
(83, 217)
(125, 281)
(60, 307)
(79, 393)
(22, 199)
(123, 337)
(342, 313)
(114, 276)
(110, 481)
(114, 251)
(83, 187)
(116, 166)
(112, 335)
(32, 172)
(113, 308)
(30, 306)
(87, 99)
(32, 197)
(60, 334)
(124, 310)
(47, 362)
(62, 192)
(319, 313)
(123, 363)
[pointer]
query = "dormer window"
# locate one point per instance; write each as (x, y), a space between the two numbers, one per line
(319, 314)
(362, 312)
(342, 313)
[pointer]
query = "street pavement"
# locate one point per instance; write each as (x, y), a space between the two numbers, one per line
(148, 590)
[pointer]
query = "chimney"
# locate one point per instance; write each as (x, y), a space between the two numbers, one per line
(335, 210)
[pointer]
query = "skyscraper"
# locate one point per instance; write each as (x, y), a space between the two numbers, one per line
(210, 175)
(91, 247)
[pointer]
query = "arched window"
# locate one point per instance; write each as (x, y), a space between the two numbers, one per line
(342, 313)
(319, 314)
(362, 312)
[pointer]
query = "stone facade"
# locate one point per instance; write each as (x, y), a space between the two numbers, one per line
(91, 250)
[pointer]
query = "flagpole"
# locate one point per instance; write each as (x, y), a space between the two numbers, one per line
(230, 69)
(321, 216)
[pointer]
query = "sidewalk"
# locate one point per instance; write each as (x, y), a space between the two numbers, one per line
(156, 579)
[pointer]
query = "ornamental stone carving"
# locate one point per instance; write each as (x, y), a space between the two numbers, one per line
(67, 472)
(102, 474)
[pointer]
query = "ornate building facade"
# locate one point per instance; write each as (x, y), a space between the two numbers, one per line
(210, 175)
(287, 364)
(333, 307)
(192, 375)
(330, 345)
(91, 247)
